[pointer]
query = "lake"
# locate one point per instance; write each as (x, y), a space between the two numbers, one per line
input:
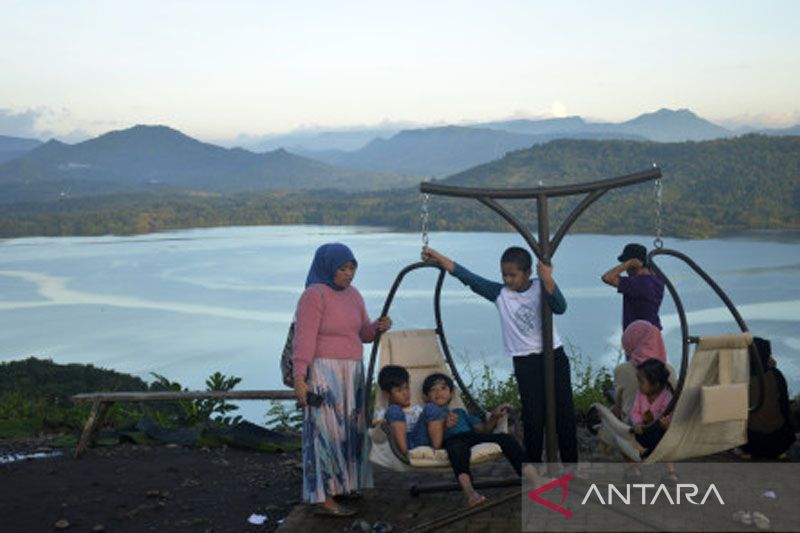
(188, 303)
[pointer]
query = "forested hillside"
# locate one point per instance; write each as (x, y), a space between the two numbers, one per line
(751, 182)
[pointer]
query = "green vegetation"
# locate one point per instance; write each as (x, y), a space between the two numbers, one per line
(35, 397)
(590, 384)
(198, 412)
(710, 188)
(284, 416)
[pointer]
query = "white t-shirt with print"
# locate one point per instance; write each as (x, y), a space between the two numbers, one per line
(521, 322)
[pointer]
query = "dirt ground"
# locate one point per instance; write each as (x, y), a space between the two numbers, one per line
(130, 488)
(137, 488)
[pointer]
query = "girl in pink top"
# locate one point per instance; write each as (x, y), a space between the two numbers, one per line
(330, 326)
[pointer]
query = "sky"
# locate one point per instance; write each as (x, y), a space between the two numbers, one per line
(217, 70)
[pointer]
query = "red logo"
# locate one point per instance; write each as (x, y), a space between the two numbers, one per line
(535, 495)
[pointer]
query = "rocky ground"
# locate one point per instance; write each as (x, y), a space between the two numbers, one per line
(136, 488)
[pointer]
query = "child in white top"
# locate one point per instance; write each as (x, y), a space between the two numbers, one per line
(519, 301)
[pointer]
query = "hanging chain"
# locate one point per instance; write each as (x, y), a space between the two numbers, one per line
(424, 218)
(658, 243)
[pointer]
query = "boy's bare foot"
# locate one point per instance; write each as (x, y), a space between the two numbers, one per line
(475, 499)
(532, 475)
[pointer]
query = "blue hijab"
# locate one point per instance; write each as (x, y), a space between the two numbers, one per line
(327, 260)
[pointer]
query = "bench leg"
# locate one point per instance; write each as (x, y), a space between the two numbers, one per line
(96, 416)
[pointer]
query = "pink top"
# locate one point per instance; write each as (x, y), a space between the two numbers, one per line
(641, 405)
(330, 324)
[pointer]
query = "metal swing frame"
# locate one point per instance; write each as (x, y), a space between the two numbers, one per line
(544, 248)
(686, 339)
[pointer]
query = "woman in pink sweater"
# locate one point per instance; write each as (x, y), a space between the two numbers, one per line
(331, 325)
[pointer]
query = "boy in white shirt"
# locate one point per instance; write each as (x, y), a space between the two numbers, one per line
(518, 300)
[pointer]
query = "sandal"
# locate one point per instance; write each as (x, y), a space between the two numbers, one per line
(339, 510)
(349, 497)
(743, 517)
(760, 521)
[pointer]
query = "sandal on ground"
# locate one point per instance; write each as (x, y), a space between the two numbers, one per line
(349, 497)
(743, 517)
(339, 510)
(760, 521)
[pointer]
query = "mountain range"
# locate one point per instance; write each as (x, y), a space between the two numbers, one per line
(159, 158)
(751, 182)
(14, 147)
(148, 158)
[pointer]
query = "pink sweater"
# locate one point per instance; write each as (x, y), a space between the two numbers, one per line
(330, 324)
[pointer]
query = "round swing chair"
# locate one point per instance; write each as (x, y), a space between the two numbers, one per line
(711, 402)
(422, 352)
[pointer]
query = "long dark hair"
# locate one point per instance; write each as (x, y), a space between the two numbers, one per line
(655, 372)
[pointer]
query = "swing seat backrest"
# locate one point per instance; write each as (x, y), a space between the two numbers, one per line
(710, 416)
(417, 351)
(726, 400)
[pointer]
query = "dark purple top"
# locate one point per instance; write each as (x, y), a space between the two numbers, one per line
(641, 298)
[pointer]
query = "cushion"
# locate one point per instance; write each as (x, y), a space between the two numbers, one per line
(721, 403)
(414, 349)
(425, 456)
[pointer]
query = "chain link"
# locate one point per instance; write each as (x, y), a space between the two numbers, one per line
(658, 243)
(424, 216)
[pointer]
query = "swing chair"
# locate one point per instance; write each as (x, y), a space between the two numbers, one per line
(422, 352)
(710, 405)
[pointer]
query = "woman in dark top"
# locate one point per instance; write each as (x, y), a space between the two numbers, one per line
(769, 429)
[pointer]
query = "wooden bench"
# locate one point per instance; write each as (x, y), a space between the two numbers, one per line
(101, 401)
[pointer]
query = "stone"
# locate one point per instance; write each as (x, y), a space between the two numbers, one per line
(61, 524)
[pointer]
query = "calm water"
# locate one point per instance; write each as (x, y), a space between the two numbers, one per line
(188, 303)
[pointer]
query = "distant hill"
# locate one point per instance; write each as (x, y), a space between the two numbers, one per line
(442, 151)
(709, 188)
(541, 126)
(158, 157)
(13, 147)
(750, 182)
(666, 125)
(317, 140)
(794, 130)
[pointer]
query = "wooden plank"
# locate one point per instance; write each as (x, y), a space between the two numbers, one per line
(96, 416)
(184, 395)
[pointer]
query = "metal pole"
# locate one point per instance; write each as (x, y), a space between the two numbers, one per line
(547, 339)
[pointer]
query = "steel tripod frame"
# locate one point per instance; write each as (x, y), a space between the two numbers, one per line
(544, 248)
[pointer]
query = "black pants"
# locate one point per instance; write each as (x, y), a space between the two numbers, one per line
(458, 450)
(529, 371)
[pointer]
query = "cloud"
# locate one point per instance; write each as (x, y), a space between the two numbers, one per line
(762, 120)
(21, 124)
(43, 123)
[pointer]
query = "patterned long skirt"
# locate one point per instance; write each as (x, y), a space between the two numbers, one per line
(335, 452)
